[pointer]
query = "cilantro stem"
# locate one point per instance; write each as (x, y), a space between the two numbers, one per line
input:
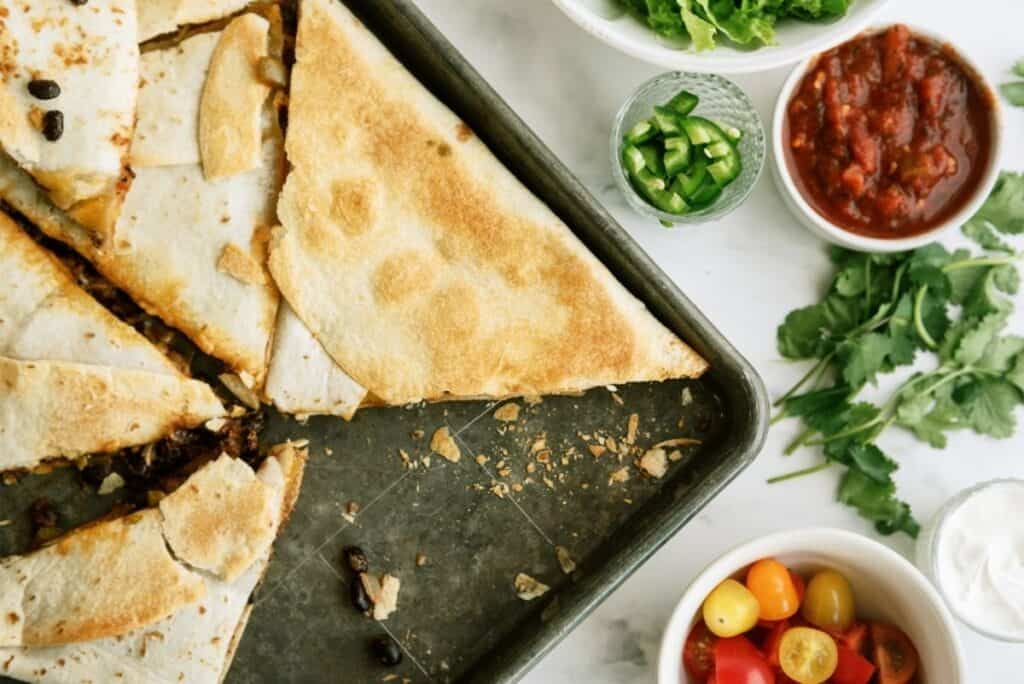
(880, 419)
(802, 381)
(799, 441)
(981, 261)
(922, 331)
(800, 473)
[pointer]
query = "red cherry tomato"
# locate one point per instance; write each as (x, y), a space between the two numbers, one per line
(737, 661)
(853, 668)
(854, 638)
(697, 655)
(895, 654)
(770, 646)
(712, 679)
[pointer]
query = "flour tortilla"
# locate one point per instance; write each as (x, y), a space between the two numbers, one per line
(231, 107)
(193, 644)
(55, 409)
(422, 265)
(167, 131)
(92, 54)
(174, 231)
(45, 315)
(303, 379)
(157, 17)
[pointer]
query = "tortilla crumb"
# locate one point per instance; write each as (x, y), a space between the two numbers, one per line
(527, 588)
(675, 456)
(617, 399)
(111, 483)
(631, 427)
(565, 560)
(443, 445)
(620, 475)
(507, 413)
(499, 489)
(240, 265)
(481, 459)
(686, 397)
(388, 603)
(596, 450)
(416, 434)
(654, 462)
(421, 560)
(539, 444)
(533, 400)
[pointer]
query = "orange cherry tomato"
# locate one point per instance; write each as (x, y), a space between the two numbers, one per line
(800, 585)
(771, 583)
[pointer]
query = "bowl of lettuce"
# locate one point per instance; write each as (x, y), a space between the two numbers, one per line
(722, 36)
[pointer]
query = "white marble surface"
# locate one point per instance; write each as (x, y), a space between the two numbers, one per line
(745, 272)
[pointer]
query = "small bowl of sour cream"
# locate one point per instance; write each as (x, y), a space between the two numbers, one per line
(973, 551)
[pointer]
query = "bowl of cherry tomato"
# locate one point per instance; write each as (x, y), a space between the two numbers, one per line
(811, 606)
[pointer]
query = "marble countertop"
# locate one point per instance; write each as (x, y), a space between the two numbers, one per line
(746, 272)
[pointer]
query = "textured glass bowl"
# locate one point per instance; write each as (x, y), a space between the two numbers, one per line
(720, 100)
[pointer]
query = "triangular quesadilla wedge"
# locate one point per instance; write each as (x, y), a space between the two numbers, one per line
(303, 380)
(158, 17)
(75, 380)
(45, 315)
(67, 100)
(98, 627)
(423, 266)
(187, 249)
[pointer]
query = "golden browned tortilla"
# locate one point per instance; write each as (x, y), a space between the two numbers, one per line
(423, 266)
(120, 600)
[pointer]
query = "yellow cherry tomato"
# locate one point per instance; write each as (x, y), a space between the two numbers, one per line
(772, 585)
(730, 610)
(828, 603)
(808, 656)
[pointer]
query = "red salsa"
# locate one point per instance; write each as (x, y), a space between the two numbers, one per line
(889, 134)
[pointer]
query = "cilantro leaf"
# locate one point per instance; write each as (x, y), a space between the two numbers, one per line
(1001, 353)
(983, 233)
(976, 340)
(988, 406)
(1013, 92)
(876, 502)
(1016, 374)
(1004, 208)
(1018, 68)
(801, 335)
(863, 358)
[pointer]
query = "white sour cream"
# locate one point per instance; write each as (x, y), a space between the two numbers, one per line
(979, 559)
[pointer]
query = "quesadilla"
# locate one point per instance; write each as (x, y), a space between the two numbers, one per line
(161, 595)
(67, 100)
(188, 249)
(303, 379)
(157, 17)
(74, 379)
(421, 264)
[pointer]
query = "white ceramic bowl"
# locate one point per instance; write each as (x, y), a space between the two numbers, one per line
(885, 585)
(795, 40)
(824, 228)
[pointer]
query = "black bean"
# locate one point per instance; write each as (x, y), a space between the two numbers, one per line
(53, 125)
(42, 513)
(356, 559)
(387, 651)
(79, 3)
(359, 597)
(43, 89)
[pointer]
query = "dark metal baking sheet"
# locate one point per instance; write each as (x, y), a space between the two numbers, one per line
(459, 619)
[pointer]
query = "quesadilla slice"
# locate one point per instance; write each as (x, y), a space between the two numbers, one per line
(188, 249)
(303, 379)
(157, 17)
(67, 100)
(423, 266)
(92, 611)
(75, 380)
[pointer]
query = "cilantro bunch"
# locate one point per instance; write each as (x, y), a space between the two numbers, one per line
(879, 313)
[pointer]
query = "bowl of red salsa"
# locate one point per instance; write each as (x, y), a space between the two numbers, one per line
(886, 140)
